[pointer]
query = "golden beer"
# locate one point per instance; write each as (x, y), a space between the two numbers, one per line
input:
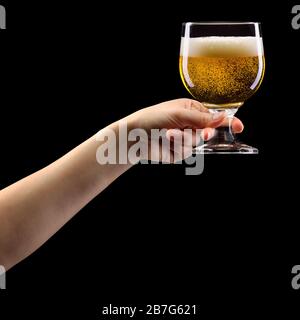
(222, 72)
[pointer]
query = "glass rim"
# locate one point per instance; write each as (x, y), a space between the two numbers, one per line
(220, 22)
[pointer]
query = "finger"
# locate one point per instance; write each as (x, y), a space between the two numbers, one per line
(184, 137)
(174, 134)
(237, 125)
(199, 120)
(187, 137)
(182, 142)
(191, 104)
(207, 133)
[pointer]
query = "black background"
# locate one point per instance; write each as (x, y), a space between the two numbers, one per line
(226, 239)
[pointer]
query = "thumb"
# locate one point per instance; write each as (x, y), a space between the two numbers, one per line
(198, 119)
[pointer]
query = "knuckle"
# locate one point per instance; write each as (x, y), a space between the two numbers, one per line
(187, 103)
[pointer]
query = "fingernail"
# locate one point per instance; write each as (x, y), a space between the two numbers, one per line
(205, 135)
(210, 134)
(240, 130)
(218, 115)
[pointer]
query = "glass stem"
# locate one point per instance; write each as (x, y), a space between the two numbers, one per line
(224, 134)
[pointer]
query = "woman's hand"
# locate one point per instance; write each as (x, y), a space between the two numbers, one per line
(175, 116)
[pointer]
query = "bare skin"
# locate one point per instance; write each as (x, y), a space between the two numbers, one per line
(34, 208)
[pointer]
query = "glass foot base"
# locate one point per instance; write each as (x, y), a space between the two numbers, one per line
(226, 148)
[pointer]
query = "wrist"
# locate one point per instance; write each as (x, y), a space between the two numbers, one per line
(120, 142)
(133, 121)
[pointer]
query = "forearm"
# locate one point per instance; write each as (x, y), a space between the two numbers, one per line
(34, 208)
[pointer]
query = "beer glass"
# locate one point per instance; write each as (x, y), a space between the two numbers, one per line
(222, 65)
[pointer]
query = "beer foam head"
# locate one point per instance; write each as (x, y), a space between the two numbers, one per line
(221, 47)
